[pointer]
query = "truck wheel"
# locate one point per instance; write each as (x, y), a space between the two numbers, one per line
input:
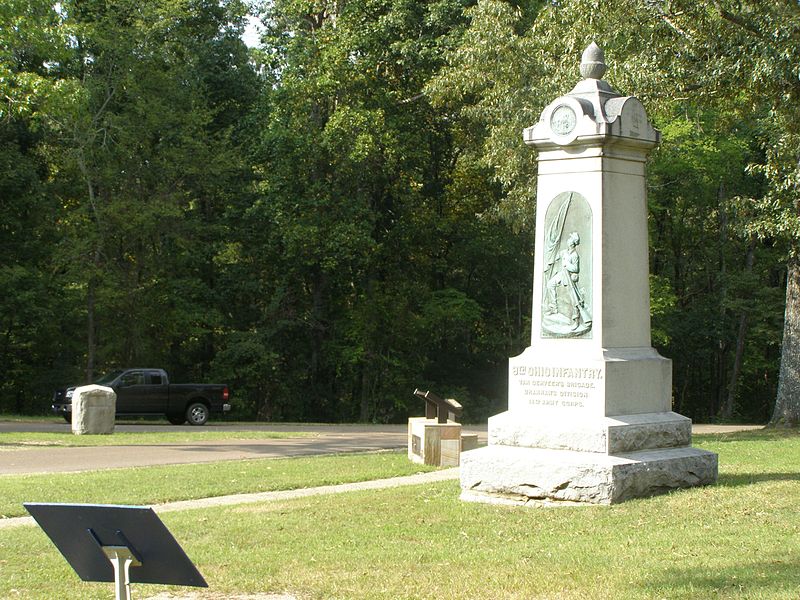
(176, 419)
(68, 417)
(197, 413)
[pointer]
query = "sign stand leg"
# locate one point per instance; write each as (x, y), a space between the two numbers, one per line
(121, 559)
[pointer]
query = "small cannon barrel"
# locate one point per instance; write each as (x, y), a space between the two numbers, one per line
(439, 408)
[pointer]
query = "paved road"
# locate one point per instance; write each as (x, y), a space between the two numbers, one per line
(325, 439)
(60, 426)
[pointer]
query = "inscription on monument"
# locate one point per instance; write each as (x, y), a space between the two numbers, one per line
(554, 386)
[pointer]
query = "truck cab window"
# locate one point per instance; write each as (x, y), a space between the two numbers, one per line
(135, 378)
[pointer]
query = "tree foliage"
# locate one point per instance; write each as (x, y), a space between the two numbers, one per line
(718, 79)
(369, 256)
(345, 212)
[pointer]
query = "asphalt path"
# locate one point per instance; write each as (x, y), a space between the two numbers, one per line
(321, 439)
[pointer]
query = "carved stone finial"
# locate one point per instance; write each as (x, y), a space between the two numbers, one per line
(593, 64)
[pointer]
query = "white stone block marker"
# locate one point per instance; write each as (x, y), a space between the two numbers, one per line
(93, 410)
(589, 402)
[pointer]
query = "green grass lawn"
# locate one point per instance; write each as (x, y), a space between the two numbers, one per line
(737, 539)
(20, 440)
(170, 483)
(14, 418)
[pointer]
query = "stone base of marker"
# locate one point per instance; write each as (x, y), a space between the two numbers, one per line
(434, 443)
(567, 436)
(608, 435)
(599, 461)
(515, 475)
(93, 410)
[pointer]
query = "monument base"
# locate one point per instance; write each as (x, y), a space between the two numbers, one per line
(519, 475)
(608, 435)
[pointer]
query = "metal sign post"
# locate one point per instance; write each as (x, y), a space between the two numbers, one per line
(122, 560)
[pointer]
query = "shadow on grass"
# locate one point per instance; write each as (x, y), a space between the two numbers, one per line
(740, 479)
(754, 580)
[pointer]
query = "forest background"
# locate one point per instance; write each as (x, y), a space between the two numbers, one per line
(345, 212)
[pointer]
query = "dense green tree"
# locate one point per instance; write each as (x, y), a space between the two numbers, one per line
(718, 274)
(345, 213)
(148, 163)
(120, 147)
(374, 274)
(31, 310)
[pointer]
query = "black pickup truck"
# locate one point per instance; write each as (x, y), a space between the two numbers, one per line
(149, 392)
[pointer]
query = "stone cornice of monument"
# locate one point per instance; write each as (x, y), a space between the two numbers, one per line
(592, 114)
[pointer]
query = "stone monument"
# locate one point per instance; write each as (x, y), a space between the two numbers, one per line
(93, 410)
(589, 402)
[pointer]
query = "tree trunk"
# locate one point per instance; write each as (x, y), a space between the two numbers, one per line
(264, 408)
(787, 404)
(720, 380)
(727, 407)
(91, 316)
(91, 284)
(319, 284)
(363, 413)
(91, 341)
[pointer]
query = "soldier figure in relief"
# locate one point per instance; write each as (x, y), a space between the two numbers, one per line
(567, 276)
